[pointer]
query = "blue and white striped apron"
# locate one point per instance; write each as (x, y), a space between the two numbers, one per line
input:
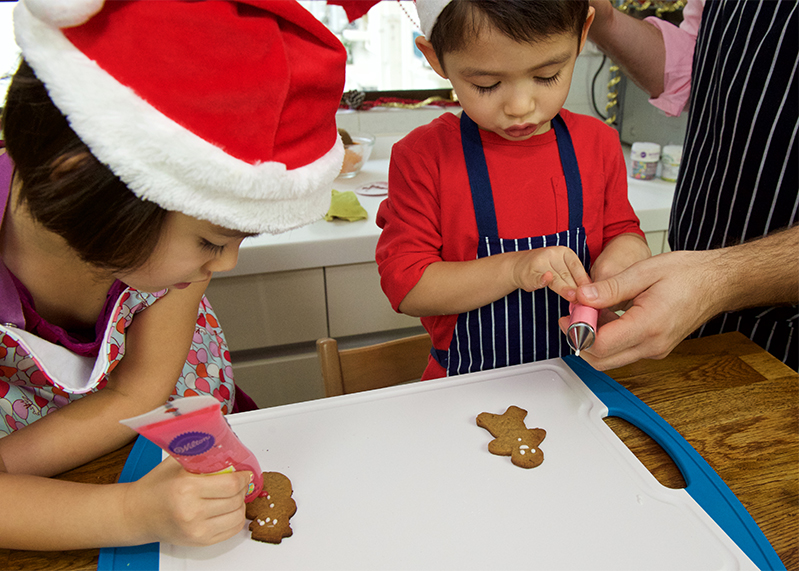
(523, 326)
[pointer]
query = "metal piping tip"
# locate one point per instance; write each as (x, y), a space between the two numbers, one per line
(580, 336)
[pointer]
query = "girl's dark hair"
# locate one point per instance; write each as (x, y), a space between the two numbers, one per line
(67, 190)
(521, 20)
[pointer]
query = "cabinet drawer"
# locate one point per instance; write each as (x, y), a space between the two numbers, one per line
(656, 241)
(356, 303)
(265, 310)
(280, 380)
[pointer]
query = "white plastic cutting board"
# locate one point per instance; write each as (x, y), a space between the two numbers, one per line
(401, 479)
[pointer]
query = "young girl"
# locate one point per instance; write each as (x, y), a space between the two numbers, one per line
(144, 142)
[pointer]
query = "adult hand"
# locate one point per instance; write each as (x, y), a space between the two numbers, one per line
(670, 296)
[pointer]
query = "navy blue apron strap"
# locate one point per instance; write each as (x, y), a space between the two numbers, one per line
(440, 355)
(569, 164)
(478, 172)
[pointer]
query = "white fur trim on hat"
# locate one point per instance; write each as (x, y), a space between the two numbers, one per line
(64, 13)
(162, 161)
(428, 11)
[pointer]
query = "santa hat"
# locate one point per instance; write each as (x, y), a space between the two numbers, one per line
(428, 11)
(222, 110)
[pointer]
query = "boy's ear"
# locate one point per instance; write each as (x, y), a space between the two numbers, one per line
(586, 25)
(427, 50)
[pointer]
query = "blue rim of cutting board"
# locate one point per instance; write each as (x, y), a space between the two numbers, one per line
(702, 482)
(143, 457)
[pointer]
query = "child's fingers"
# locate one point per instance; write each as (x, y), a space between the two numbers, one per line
(568, 274)
(228, 525)
(213, 529)
(225, 486)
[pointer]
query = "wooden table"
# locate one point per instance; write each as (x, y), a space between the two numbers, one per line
(732, 401)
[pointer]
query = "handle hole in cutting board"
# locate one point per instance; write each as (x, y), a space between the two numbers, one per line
(648, 451)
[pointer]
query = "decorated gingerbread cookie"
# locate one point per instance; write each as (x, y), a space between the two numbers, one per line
(512, 437)
(271, 510)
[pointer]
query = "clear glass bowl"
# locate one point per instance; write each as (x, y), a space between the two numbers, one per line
(357, 154)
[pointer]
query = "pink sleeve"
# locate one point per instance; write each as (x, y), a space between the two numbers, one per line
(679, 44)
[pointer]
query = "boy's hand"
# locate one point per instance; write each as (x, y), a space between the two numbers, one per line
(171, 505)
(618, 255)
(556, 267)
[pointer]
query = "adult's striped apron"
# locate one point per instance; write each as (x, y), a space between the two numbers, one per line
(523, 326)
(739, 174)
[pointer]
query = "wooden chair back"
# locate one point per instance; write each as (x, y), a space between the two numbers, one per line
(372, 367)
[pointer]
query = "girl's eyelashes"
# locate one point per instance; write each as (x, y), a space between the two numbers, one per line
(215, 249)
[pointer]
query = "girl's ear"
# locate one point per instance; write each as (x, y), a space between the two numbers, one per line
(427, 50)
(586, 26)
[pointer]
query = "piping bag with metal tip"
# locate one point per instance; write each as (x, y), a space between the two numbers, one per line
(582, 327)
(193, 431)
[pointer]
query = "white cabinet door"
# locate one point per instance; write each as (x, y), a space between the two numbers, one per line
(281, 379)
(356, 303)
(265, 310)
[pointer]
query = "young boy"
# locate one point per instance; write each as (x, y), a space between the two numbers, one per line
(486, 210)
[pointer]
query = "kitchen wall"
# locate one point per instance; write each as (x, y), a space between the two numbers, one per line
(389, 124)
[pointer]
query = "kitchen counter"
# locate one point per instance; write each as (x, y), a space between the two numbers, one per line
(326, 244)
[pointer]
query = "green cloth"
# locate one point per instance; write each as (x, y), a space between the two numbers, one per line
(345, 206)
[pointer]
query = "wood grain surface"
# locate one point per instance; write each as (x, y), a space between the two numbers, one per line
(733, 402)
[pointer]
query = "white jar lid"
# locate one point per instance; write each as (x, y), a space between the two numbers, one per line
(672, 153)
(646, 152)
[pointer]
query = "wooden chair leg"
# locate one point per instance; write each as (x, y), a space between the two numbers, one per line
(328, 353)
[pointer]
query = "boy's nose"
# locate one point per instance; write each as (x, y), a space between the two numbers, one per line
(520, 104)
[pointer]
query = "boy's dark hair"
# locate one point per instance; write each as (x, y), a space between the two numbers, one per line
(521, 20)
(67, 190)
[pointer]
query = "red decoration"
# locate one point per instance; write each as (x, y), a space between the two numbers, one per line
(354, 8)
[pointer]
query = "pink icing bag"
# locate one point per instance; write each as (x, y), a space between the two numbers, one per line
(194, 432)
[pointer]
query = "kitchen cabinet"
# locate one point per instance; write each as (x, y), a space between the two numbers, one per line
(270, 309)
(272, 321)
(357, 304)
(657, 241)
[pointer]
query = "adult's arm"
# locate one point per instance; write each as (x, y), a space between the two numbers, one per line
(655, 54)
(635, 45)
(674, 293)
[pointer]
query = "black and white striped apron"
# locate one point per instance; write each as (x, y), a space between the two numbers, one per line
(523, 326)
(739, 176)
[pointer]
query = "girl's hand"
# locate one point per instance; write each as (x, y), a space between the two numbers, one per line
(172, 505)
(556, 267)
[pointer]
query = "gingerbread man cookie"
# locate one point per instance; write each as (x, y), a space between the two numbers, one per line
(271, 510)
(512, 437)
